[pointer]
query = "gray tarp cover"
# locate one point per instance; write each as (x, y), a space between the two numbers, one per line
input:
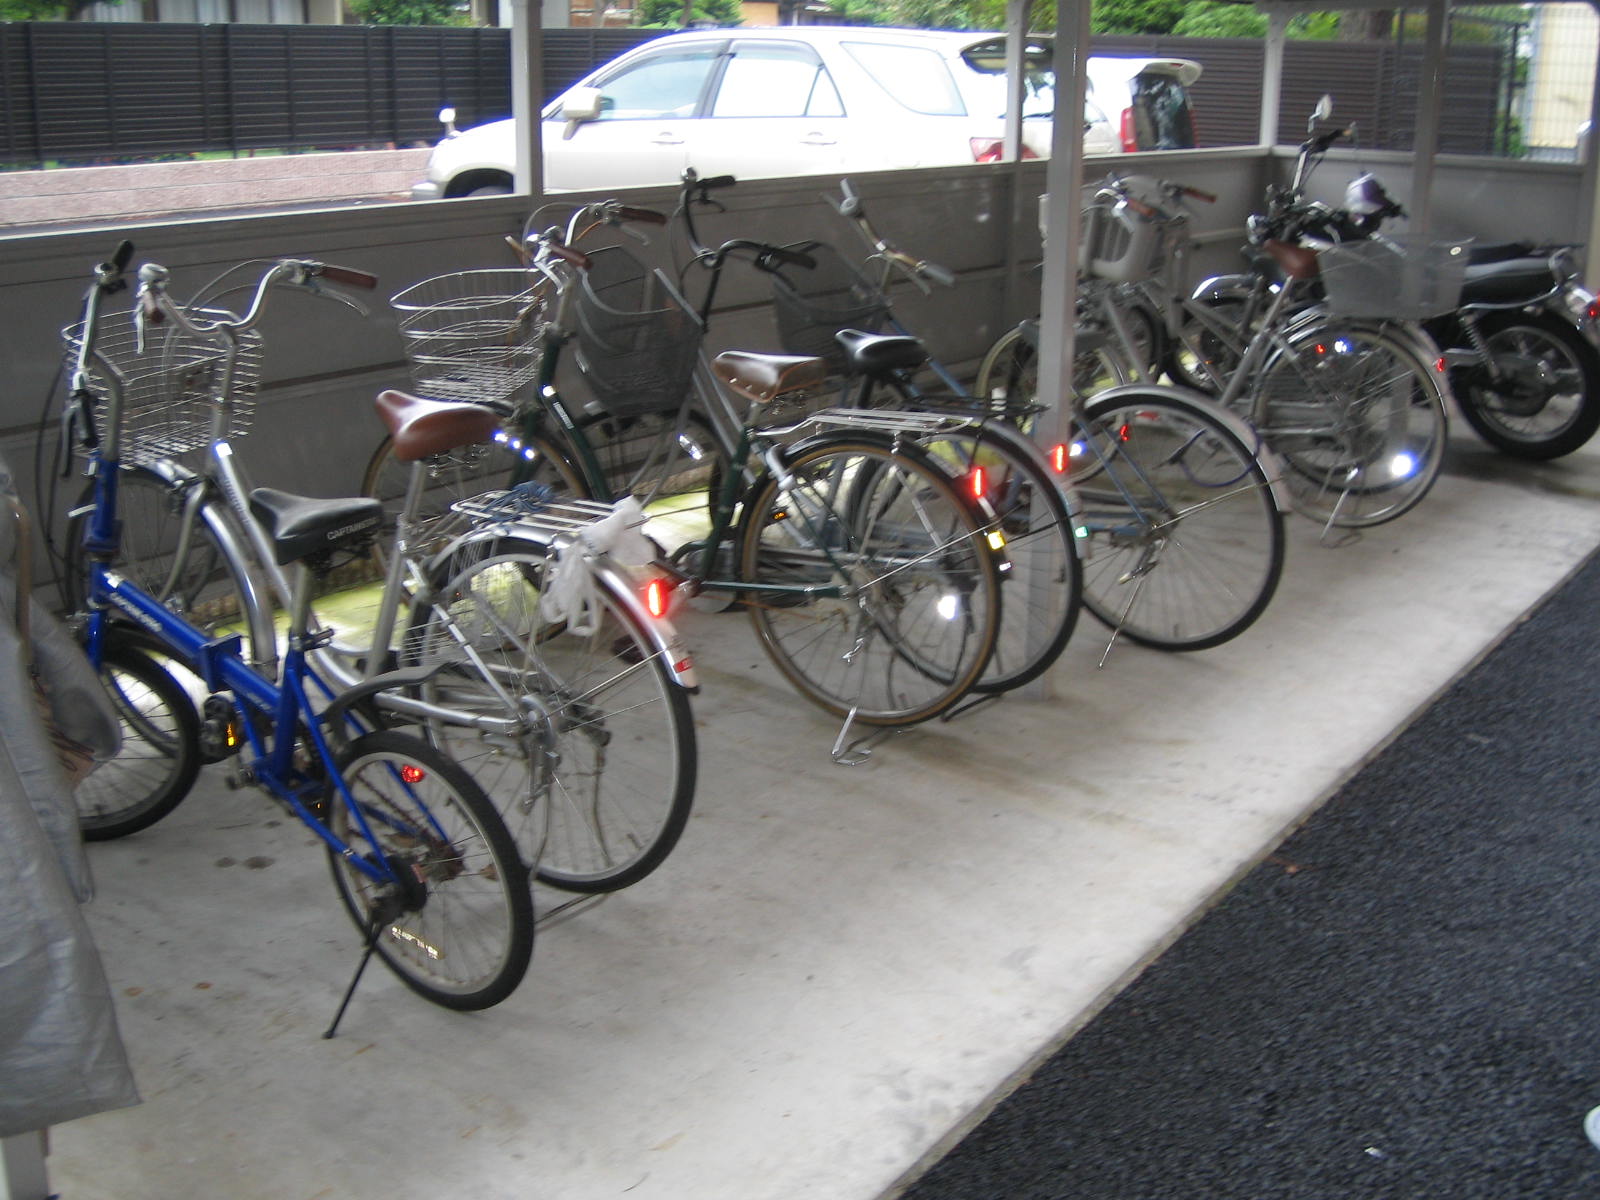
(60, 1053)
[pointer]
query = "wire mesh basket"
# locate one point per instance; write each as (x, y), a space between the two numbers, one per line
(170, 391)
(1406, 277)
(638, 339)
(473, 335)
(814, 303)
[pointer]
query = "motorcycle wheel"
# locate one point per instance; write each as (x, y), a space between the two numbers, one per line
(1547, 400)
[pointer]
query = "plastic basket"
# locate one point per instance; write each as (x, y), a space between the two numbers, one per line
(1119, 244)
(170, 392)
(1395, 278)
(637, 338)
(814, 303)
(473, 335)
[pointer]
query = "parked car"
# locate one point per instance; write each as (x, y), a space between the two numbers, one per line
(803, 100)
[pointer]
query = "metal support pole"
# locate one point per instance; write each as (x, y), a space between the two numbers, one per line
(1588, 223)
(1430, 100)
(1272, 75)
(527, 95)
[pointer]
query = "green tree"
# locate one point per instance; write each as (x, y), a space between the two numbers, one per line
(407, 12)
(668, 14)
(1135, 16)
(43, 10)
(1212, 20)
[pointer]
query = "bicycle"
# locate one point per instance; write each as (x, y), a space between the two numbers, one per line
(583, 737)
(421, 860)
(1171, 500)
(1353, 406)
(872, 584)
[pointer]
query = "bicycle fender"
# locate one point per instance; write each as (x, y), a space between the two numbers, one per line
(1270, 461)
(665, 640)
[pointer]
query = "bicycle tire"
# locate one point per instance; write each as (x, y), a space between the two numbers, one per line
(598, 790)
(203, 587)
(667, 461)
(467, 944)
(896, 534)
(1182, 537)
(1199, 357)
(1547, 402)
(160, 754)
(1043, 588)
(1358, 418)
(1008, 376)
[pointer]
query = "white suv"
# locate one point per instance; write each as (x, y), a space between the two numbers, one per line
(804, 100)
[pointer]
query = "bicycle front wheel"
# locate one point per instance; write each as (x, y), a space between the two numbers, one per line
(160, 754)
(1181, 535)
(598, 783)
(1358, 418)
(458, 927)
(1008, 377)
(870, 581)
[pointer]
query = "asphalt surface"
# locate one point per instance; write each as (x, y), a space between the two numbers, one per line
(1401, 1002)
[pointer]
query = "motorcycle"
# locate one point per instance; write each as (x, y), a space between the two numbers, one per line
(1522, 347)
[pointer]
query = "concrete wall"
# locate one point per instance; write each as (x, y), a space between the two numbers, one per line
(315, 428)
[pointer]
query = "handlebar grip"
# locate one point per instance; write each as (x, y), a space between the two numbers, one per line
(793, 258)
(567, 254)
(1147, 211)
(943, 276)
(348, 276)
(122, 256)
(647, 216)
(716, 181)
(1198, 194)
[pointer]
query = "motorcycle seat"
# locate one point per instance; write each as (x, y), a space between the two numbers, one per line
(1507, 282)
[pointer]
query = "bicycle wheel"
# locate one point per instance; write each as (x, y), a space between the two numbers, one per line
(669, 461)
(1043, 588)
(459, 928)
(180, 564)
(1546, 402)
(1009, 373)
(1203, 357)
(597, 786)
(919, 607)
(1358, 418)
(1182, 538)
(160, 754)
(463, 472)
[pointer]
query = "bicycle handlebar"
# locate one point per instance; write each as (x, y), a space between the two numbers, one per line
(850, 206)
(155, 305)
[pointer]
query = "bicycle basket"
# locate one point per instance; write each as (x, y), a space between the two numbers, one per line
(1407, 277)
(472, 335)
(171, 390)
(638, 339)
(814, 303)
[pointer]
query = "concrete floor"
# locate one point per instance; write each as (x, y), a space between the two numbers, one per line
(839, 967)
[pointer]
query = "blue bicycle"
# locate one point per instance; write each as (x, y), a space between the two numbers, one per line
(421, 860)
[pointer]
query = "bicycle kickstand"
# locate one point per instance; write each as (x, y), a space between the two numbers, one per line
(374, 931)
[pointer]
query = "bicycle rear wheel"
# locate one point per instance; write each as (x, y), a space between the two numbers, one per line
(1358, 418)
(160, 754)
(459, 930)
(1043, 587)
(1009, 373)
(918, 606)
(598, 785)
(1181, 535)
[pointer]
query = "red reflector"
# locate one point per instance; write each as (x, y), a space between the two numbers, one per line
(412, 774)
(656, 597)
(1438, 364)
(977, 482)
(1124, 432)
(1058, 458)
(1593, 310)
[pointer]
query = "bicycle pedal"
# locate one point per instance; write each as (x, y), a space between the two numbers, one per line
(220, 732)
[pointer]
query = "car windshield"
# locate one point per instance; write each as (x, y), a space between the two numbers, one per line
(987, 79)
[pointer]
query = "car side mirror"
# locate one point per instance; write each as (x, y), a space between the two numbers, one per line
(580, 105)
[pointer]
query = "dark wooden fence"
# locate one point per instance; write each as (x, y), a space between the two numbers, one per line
(81, 93)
